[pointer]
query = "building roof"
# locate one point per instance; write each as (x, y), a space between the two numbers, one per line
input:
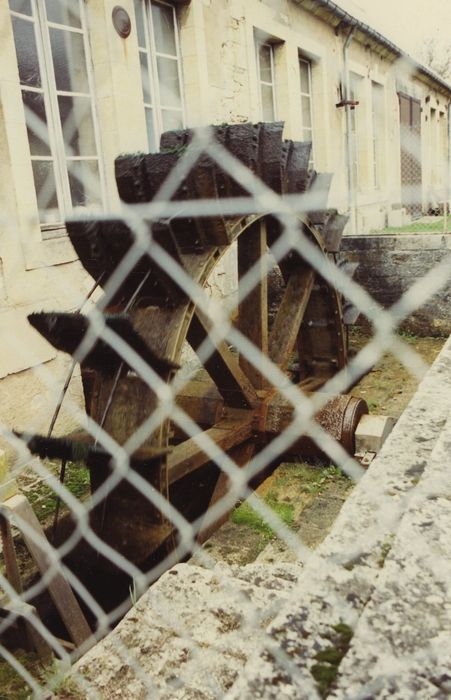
(339, 19)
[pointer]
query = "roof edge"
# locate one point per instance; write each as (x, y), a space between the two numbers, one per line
(346, 18)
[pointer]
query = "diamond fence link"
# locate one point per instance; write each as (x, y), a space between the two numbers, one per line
(162, 424)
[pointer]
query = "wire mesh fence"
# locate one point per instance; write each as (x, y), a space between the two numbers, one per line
(209, 346)
(139, 464)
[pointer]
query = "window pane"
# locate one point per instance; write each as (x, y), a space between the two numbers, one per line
(150, 129)
(172, 119)
(26, 50)
(163, 27)
(84, 183)
(306, 111)
(140, 23)
(44, 182)
(63, 12)
(36, 118)
(169, 82)
(145, 78)
(267, 103)
(304, 74)
(77, 126)
(69, 61)
(264, 52)
(23, 6)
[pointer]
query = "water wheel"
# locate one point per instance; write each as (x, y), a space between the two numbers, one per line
(150, 311)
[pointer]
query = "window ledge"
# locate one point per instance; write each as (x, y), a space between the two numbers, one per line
(55, 250)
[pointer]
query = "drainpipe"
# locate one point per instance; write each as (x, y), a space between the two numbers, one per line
(352, 201)
(448, 184)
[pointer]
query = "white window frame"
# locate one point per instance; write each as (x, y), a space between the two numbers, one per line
(272, 84)
(378, 136)
(50, 93)
(152, 55)
(309, 94)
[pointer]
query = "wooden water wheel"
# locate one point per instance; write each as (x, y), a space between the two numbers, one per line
(149, 310)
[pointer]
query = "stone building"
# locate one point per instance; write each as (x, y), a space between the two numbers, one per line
(84, 80)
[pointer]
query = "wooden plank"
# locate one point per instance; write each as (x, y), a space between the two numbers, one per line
(253, 309)
(60, 591)
(9, 556)
(241, 456)
(24, 611)
(289, 316)
(222, 366)
(189, 456)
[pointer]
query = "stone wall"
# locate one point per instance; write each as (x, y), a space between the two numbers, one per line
(389, 265)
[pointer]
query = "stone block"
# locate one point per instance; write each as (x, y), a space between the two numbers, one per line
(372, 432)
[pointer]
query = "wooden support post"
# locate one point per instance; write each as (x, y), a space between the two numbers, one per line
(253, 309)
(19, 511)
(24, 611)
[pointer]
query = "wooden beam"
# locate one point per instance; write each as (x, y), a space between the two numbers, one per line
(253, 309)
(289, 317)
(60, 591)
(229, 432)
(222, 366)
(241, 456)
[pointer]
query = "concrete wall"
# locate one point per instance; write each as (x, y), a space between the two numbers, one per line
(389, 265)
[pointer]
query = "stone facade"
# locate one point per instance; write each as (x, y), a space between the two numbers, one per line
(220, 82)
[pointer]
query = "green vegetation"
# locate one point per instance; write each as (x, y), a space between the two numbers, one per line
(43, 498)
(437, 226)
(326, 670)
(308, 478)
(285, 496)
(244, 514)
(12, 685)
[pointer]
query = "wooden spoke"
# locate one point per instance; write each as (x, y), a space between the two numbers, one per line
(222, 366)
(253, 309)
(289, 316)
(189, 456)
(241, 455)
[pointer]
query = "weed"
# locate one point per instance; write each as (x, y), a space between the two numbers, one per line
(133, 592)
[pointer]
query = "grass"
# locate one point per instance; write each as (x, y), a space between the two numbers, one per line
(415, 227)
(43, 498)
(244, 514)
(49, 677)
(290, 479)
(12, 685)
(308, 478)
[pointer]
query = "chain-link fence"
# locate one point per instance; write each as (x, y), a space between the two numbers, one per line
(212, 344)
(153, 427)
